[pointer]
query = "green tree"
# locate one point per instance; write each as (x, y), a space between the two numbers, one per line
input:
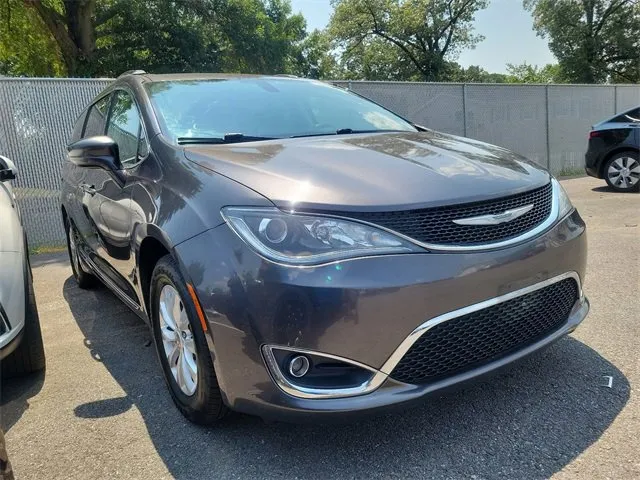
(106, 37)
(525, 73)
(594, 40)
(376, 59)
(26, 48)
(260, 36)
(158, 36)
(314, 58)
(425, 33)
(473, 74)
(71, 24)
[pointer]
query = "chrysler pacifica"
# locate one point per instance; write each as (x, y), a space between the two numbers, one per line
(299, 251)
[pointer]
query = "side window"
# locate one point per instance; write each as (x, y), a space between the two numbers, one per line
(124, 127)
(632, 116)
(96, 118)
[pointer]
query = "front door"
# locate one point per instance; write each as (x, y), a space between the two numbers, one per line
(117, 254)
(88, 202)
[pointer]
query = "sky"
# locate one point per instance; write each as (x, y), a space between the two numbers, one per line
(505, 24)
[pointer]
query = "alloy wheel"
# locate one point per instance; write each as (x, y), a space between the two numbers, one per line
(624, 172)
(177, 340)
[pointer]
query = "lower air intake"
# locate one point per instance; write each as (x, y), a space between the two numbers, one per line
(470, 341)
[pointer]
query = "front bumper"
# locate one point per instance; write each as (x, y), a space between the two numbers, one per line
(12, 300)
(361, 309)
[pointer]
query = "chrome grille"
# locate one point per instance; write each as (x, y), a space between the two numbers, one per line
(470, 341)
(435, 225)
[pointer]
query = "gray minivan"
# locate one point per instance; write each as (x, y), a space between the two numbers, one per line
(301, 252)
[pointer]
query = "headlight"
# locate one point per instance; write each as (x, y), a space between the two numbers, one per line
(308, 239)
(564, 203)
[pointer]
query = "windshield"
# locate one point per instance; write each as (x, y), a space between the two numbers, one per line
(255, 108)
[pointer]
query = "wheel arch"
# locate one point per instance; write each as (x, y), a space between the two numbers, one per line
(613, 152)
(151, 245)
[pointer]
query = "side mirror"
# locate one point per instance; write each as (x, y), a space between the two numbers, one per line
(97, 152)
(8, 170)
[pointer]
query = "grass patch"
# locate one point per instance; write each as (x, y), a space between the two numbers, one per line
(571, 172)
(47, 249)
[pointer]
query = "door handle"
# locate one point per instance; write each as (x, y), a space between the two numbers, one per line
(90, 189)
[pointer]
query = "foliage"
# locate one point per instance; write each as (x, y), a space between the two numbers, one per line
(526, 73)
(473, 74)
(594, 40)
(376, 59)
(314, 58)
(107, 37)
(259, 37)
(424, 33)
(25, 50)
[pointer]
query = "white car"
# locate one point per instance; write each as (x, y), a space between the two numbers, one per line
(21, 349)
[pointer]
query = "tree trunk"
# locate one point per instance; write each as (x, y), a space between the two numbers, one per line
(80, 25)
(72, 30)
(590, 43)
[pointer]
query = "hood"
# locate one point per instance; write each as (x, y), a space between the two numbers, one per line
(371, 172)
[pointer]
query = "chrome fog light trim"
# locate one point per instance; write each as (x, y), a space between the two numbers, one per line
(301, 391)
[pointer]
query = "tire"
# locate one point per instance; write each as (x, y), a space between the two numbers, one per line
(628, 164)
(28, 357)
(84, 279)
(204, 405)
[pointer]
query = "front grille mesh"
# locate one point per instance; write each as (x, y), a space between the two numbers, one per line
(435, 225)
(478, 338)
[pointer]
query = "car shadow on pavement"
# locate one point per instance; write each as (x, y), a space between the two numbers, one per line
(14, 397)
(528, 422)
(608, 189)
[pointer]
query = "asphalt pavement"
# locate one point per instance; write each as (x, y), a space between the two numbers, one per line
(102, 409)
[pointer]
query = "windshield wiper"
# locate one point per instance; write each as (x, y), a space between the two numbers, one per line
(343, 131)
(227, 138)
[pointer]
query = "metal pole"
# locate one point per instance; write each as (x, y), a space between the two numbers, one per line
(546, 103)
(464, 109)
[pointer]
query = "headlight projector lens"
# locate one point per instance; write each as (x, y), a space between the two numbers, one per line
(273, 229)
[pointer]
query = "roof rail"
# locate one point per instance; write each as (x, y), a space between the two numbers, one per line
(132, 72)
(286, 75)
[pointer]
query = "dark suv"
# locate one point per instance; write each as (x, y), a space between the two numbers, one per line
(614, 151)
(300, 251)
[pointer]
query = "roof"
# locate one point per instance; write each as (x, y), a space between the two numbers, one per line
(165, 77)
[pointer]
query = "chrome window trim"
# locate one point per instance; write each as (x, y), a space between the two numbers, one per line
(379, 376)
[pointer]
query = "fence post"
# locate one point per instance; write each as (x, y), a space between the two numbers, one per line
(615, 99)
(546, 103)
(464, 109)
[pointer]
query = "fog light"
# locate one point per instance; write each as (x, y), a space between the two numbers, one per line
(299, 366)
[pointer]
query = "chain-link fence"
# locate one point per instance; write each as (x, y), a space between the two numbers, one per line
(36, 119)
(546, 123)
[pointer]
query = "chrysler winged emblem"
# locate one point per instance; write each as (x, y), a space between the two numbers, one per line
(496, 219)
